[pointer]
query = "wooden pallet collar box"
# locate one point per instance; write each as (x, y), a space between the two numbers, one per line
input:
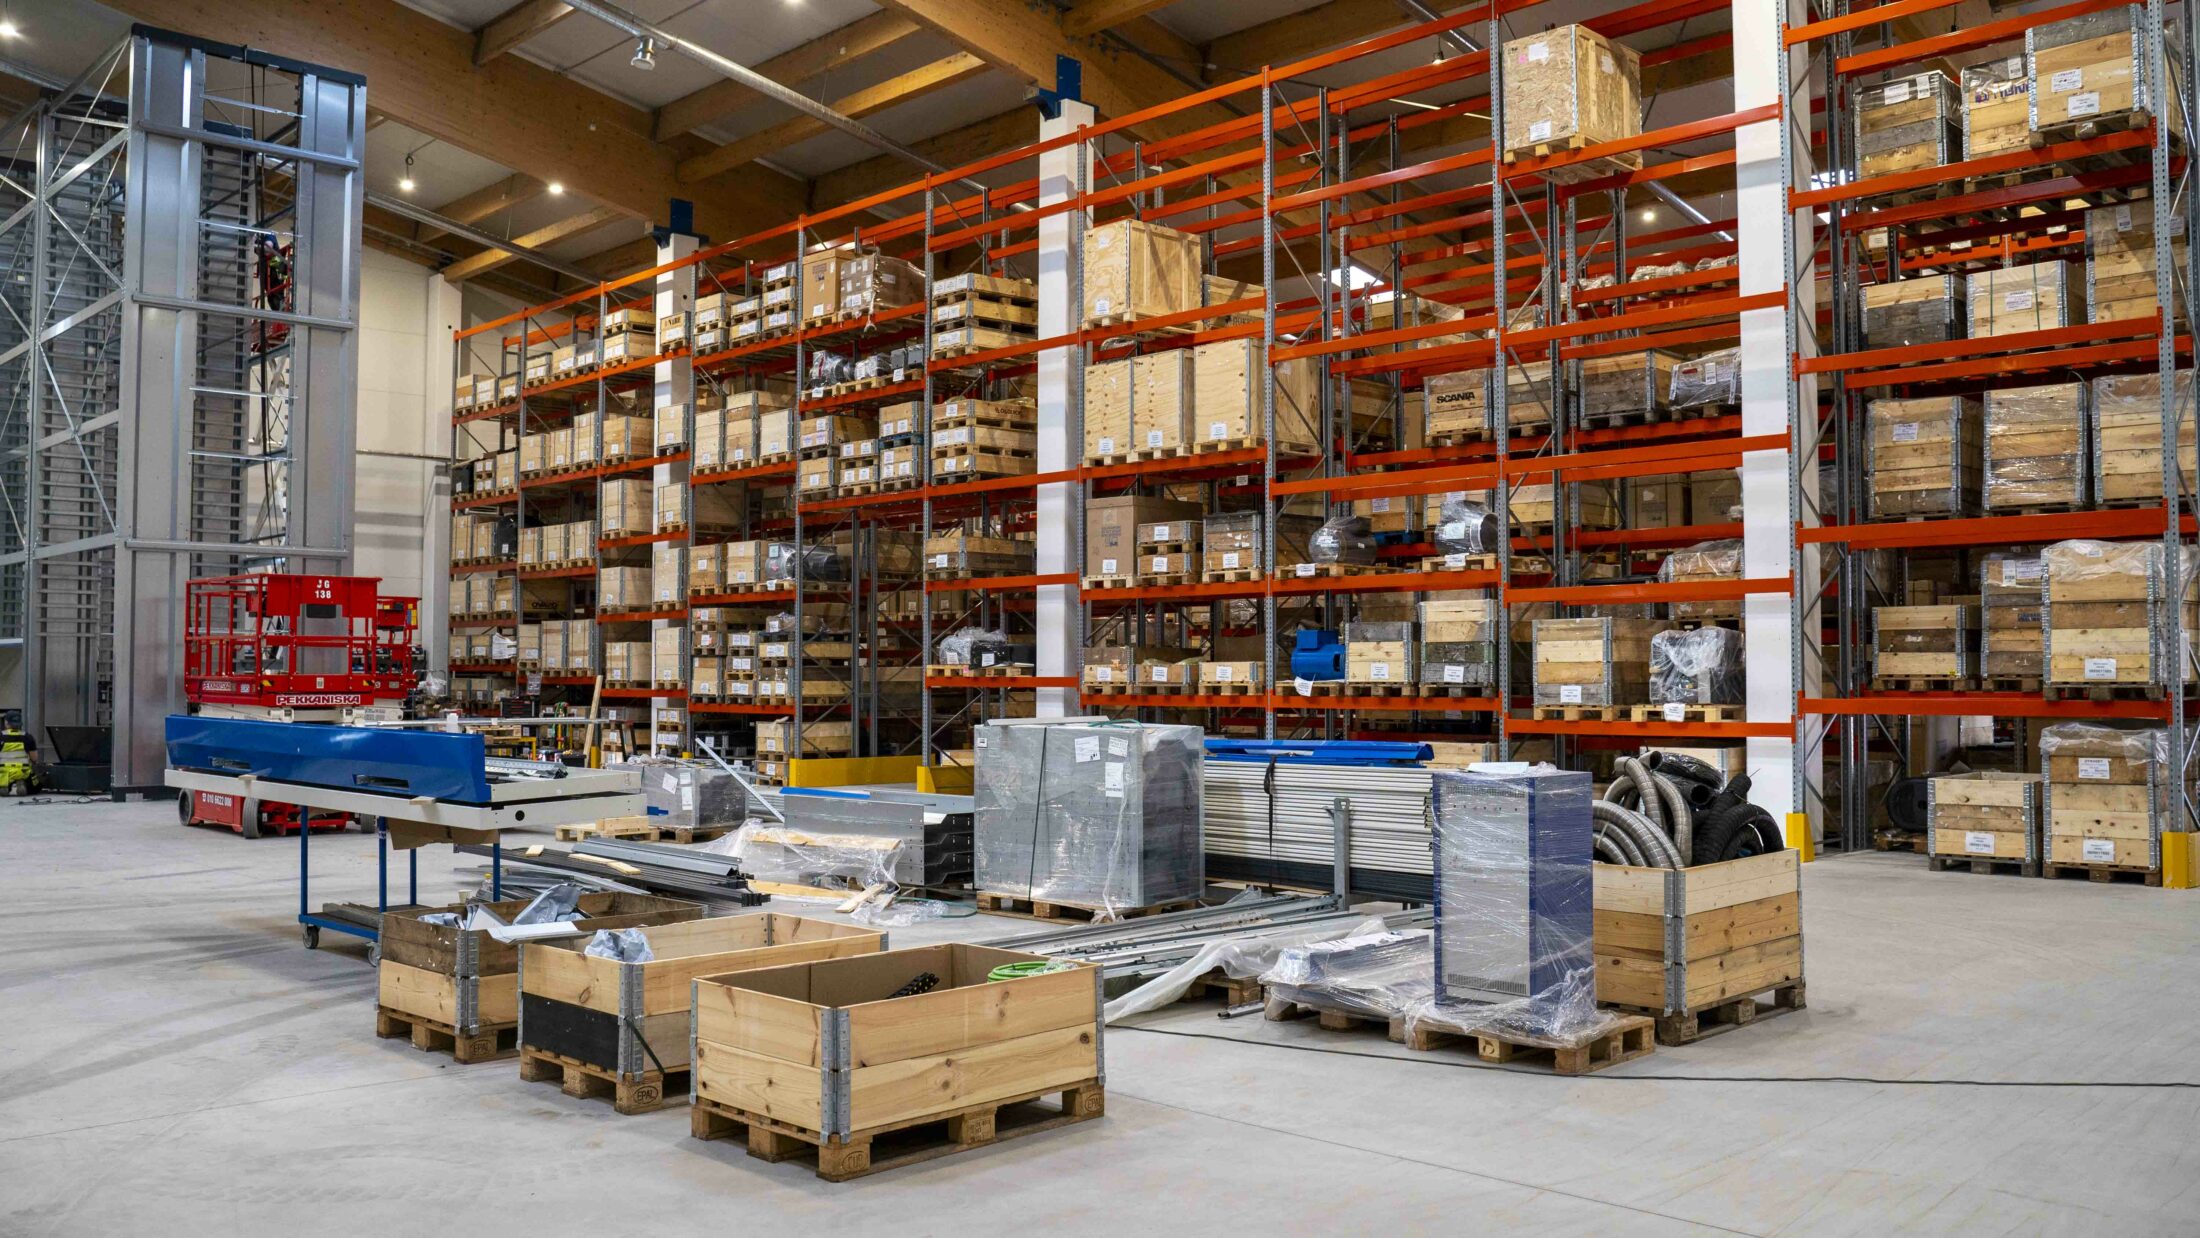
(1927, 310)
(1136, 270)
(1923, 642)
(632, 1019)
(1227, 396)
(1568, 84)
(468, 979)
(1984, 814)
(2093, 67)
(2127, 424)
(826, 1048)
(2014, 300)
(1678, 941)
(1924, 456)
(1997, 99)
(1111, 529)
(2034, 447)
(2108, 794)
(1906, 124)
(2012, 638)
(1593, 661)
(2104, 613)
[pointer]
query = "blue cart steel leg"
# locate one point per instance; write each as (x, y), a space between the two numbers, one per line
(381, 866)
(496, 870)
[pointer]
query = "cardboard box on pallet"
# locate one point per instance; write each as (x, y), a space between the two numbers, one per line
(2107, 613)
(1657, 502)
(1907, 123)
(1388, 513)
(816, 477)
(582, 440)
(1997, 98)
(670, 504)
(871, 282)
(1714, 496)
(707, 451)
(1227, 396)
(1111, 529)
(2090, 74)
(1923, 456)
(671, 428)
(2035, 447)
(1924, 642)
(534, 452)
(1134, 270)
(2109, 794)
(2013, 300)
(1568, 88)
(2127, 447)
(1593, 661)
(822, 276)
(2119, 262)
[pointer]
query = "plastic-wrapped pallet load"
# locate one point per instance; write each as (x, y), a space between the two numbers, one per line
(2034, 450)
(2105, 613)
(1698, 666)
(2109, 794)
(1375, 975)
(2119, 262)
(1924, 456)
(1089, 813)
(1996, 107)
(1342, 539)
(2015, 300)
(689, 794)
(2128, 438)
(2011, 638)
(1705, 561)
(1906, 124)
(1464, 527)
(1708, 381)
(1514, 901)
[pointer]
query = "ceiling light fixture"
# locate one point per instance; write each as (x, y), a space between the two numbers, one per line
(1649, 213)
(1439, 52)
(405, 182)
(645, 54)
(555, 188)
(9, 30)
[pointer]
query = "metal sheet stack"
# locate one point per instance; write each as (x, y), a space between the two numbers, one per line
(1274, 823)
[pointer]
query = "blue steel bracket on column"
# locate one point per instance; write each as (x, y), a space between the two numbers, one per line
(1069, 83)
(682, 223)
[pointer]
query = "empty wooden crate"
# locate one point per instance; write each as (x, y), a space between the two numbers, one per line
(1923, 456)
(604, 1024)
(1696, 946)
(1985, 817)
(2109, 797)
(1924, 643)
(838, 1054)
(460, 984)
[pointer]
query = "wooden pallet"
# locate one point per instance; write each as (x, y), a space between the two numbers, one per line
(1114, 687)
(486, 1044)
(1230, 689)
(1689, 713)
(1149, 580)
(1215, 446)
(998, 670)
(1900, 840)
(1727, 1014)
(1463, 438)
(608, 829)
(1234, 990)
(1315, 571)
(2030, 684)
(891, 1146)
(2105, 873)
(1138, 455)
(1348, 687)
(1922, 684)
(1119, 325)
(1632, 1036)
(1039, 909)
(1983, 865)
(645, 1093)
(2103, 691)
(1574, 173)
(2090, 127)
(1110, 582)
(1580, 713)
(1232, 575)
(1468, 563)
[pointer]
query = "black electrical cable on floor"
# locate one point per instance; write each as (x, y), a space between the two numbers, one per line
(1458, 1063)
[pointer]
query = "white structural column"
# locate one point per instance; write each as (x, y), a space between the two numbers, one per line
(1063, 172)
(675, 385)
(1779, 487)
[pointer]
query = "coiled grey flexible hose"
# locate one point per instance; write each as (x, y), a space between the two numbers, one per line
(1680, 816)
(1656, 850)
(1610, 836)
(1608, 849)
(1644, 786)
(1664, 808)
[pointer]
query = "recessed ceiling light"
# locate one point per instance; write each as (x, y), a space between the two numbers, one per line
(9, 30)
(1649, 213)
(556, 188)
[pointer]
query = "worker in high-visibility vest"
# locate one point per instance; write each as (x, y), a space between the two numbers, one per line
(18, 753)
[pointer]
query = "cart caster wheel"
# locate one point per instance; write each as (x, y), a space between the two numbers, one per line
(374, 954)
(313, 936)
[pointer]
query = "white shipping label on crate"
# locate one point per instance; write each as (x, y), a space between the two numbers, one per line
(1308, 569)
(1455, 674)
(2100, 668)
(1538, 52)
(980, 741)
(1540, 131)
(1456, 560)
(1161, 674)
(1218, 430)
(1107, 446)
(2019, 571)
(1102, 239)
(2098, 850)
(1225, 674)
(901, 373)
(1161, 533)
(939, 560)
(2021, 299)
(1378, 505)
(2086, 104)
(2067, 79)
(1978, 842)
(1101, 305)
(1154, 438)
(1087, 748)
(1676, 711)
(1103, 674)
(1107, 567)
(1111, 779)
(1160, 564)
(1229, 559)
(1604, 62)
(1569, 694)
(1906, 432)
(2093, 769)
(1896, 92)
(990, 659)
(1378, 670)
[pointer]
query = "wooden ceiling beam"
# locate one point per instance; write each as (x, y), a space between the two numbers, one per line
(915, 84)
(1094, 16)
(516, 25)
(822, 54)
(548, 234)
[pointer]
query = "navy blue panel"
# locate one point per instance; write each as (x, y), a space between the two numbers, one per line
(439, 764)
(1317, 752)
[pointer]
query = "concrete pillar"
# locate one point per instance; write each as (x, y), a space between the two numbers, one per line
(1062, 172)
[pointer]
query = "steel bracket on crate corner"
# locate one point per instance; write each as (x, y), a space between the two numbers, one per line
(632, 1055)
(834, 1101)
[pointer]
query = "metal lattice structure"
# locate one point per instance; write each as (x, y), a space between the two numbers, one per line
(179, 249)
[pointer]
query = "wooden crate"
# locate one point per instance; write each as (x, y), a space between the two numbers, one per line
(1997, 105)
(1569, 88)
(601, 1024)
(2013, 300)
(1925, 310)
(2012, 636)
(1591, 504)
(1923, 456)
(1227, 398)
(1907, 123)
(2119, 263)
(1379, 663)
(1984, 817)
(1456, 404)
(825, 1054)
(468, 981)
(2104, 609)
(1704, 562)
(1924, 642)
(1622, 387)
(1135, 270)
(1595, 661)
(2089, 76)
(1227, 678)
(1695, 947)
(2108, 798)
(2034, 448)
(2128, 439)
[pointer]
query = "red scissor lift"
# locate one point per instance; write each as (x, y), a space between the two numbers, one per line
(288, 649)
(396, 637)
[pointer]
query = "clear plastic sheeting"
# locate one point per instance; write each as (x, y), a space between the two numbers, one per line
(1238, 956)
(477, 916)
(1465, 527)
(791, 856)
(2138, 745)
(1656, 270)
(1714, 378)
(1697, 666)
(687, 794)
(1093, 814)
(1343, 539)
(1720, 559)
(1375, 975)
(560, 902)
(627, 945)
(961, 647)
(1514, 903)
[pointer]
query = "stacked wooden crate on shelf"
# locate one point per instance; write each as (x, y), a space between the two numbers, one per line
(629, 335)
(1592, 667)
(1138, 408)
(2039, 296)
(2110, 794)
(818, 468)
(2128, 437)
(2034, 449)
(1922, 457)
(1714, 562)
(1996, 107)
(1458, 630)
(1929, 645)
(1906, 124)
(973, 439)
(1168, 552)
(2012, 639)
(1381, 658)
(1984, 820)
(959, 554)
(1626, 389)
(1569, 88)
(2090, 75)
(2106, 616)
(1135, 271)
(976, 313)
(1111, 534)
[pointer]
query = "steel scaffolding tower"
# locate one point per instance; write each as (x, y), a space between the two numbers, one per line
(179, 252)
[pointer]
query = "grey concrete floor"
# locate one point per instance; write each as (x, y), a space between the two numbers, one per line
(1981, 1055)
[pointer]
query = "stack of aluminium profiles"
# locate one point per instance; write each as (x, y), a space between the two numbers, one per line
(1273, 814)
